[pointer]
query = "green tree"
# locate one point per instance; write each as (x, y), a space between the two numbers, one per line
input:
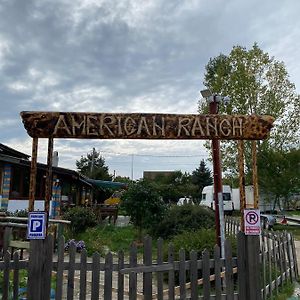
(279, 173)
(256, 84)
(144, 205)
(93, 166)
(201, 177)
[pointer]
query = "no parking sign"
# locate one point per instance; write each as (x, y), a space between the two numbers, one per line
(252, 221)
(36, 229)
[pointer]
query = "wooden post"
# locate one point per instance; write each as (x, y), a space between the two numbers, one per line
(254, 171)
(33, 173)
(241, 181)
(48, 193)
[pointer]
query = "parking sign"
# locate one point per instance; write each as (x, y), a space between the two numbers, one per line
(252, 221)
(36, 229)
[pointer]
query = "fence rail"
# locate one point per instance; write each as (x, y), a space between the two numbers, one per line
(148, 275)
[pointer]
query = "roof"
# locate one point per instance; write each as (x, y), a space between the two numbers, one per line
(107, 184)
(12, 152)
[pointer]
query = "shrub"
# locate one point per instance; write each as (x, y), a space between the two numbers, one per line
(184, 218)
(81, 218)
(198, 240)
(144, 205)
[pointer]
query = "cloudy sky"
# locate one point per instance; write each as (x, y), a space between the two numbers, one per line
(128, 56)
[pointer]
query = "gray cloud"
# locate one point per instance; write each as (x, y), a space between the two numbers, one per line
(146, 56)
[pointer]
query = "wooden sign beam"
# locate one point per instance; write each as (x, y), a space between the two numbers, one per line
(145, 126)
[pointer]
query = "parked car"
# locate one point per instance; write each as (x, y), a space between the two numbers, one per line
(267, 221)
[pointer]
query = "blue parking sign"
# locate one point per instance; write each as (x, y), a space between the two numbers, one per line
(36, 229)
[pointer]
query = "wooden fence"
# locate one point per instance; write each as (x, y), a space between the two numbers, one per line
(150, 273)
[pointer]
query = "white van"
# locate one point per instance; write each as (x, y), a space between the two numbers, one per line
(207, 198)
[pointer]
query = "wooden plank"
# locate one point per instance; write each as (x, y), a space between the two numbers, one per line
(132, 275)
(5, 287)
(19, 244)
(294, 257)
(16, 281)
(284, 257)
(33, 172)
(147, 284)
(35, 269)
(241, 166)
(145, 126)
(182, 274)
(241, 264)
(281, 267)
(275, 259)
(289, 257)
(71, 271)
(7, 238)
(48, 187)
(264, 277)
(254, 174)
(252, 268)
(95, 276)
(228, 268)
(217, 268)
(83, 274)
(269, 256)
(171, 275)
(60, 270)
(120, 275)
(194, 275)
(206, 275)
(160, 279)
(108, 276)
(47, 267)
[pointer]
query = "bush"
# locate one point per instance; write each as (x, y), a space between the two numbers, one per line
(184, 218)
(81, 218)
(195, 240)
(144, 205)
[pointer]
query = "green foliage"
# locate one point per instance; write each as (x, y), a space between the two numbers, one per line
(201, 177)
(198, 240)
(103, 238)
(256, 84)
(81, 218)
(279, 172)
(143, 204)
(18, 213)
(93, 166)
(184, 218)
(174, 186)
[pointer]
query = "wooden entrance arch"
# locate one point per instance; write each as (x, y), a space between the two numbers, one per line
(85, 125)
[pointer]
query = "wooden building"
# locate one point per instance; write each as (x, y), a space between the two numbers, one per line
(69, 187)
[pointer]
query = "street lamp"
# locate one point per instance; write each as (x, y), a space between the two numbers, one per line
(213, 101)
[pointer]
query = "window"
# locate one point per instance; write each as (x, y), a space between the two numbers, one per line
(226, 197)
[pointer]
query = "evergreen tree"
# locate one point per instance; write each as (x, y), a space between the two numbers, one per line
(93, 166)
(202, 177)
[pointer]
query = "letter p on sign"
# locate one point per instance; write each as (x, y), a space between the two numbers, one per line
(36, 225)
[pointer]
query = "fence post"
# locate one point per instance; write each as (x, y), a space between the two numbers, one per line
(249, 268)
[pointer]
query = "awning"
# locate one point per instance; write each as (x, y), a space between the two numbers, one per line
(107, 184)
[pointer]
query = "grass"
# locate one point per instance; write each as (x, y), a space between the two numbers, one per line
(294, 229)
(285, 292)
(102, 238)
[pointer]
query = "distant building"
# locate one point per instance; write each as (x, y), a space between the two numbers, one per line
(152, 175)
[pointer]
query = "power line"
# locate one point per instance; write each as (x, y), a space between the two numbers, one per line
(153, 155)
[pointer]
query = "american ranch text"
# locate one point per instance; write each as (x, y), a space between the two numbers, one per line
(145, 126)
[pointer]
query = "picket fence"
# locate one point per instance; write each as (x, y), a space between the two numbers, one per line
(151, 274)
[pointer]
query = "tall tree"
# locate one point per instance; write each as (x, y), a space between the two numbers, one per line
(201, 177)
(256, 84)
(93, 166)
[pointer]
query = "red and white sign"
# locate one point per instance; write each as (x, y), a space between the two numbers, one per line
(252, 221)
